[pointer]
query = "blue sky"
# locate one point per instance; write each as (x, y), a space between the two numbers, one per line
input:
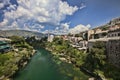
(57, 16)
(96, 12)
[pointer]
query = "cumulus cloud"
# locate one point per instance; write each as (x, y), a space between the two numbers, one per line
(4, 23)
(65, 26)
(37, 11)
(13, 26)
(4, 3)
(1, 5)
(79, 28)
(57, 28)
(64, 29)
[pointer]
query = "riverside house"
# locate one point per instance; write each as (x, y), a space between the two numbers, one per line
(113, 45)
(4, 47)
(111, 37)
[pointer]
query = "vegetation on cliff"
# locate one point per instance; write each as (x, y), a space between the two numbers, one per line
(95, 61)
(65, 53)
(15, 59)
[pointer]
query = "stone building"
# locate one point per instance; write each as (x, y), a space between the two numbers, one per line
(100, 34)
(92, 41)
(111, 37)
(113, 51)
(50, 38)
(114, 21)
(113, 45)
(90, 34)
(114, 31)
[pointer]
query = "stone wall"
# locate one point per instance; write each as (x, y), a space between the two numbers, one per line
(113, 52)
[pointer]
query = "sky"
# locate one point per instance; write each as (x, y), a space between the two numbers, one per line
(57, 16)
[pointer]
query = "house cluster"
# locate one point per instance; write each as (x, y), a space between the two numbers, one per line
(4, 45)
(109, 33)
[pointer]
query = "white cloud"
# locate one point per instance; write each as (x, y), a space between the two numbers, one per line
(64, 29)
(82, 5)
(45, 32)
(41, 26)
(4, 2)
(40, 11)
(12, 7)
(66, 9)
(13, 26)
(1, 5)
(57, 28)
(34, 27)
(65, 26)
(79, 28)
(4, 23)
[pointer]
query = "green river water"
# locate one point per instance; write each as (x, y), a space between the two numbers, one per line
(42, 67)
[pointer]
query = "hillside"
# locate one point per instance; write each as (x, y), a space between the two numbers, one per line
(24, 33)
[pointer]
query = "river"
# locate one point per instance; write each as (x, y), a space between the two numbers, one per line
(42, 67)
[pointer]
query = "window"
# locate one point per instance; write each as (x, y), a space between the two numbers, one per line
(118, 34)
(112, 35)
(110, 47)
(116, 48)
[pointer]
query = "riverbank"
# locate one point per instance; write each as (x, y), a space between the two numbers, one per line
(71, 70)
(15, 63)
(64, 53)
(43, 67)
(67, 60)
(93, 63)
(14, 60)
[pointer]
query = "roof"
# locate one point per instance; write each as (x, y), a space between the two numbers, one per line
(114, 38)
(104, 39)
(99, 32)
(3, 42)
(4, 39)
(4, 47)
(117, 30)
(100, 39)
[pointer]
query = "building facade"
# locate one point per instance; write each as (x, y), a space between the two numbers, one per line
(111, 37)
(113, 45)
(113, 51)
(50, 38)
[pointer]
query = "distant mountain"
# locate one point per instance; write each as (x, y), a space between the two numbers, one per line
(24, 33)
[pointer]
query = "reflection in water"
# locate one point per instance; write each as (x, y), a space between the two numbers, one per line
(40, 67)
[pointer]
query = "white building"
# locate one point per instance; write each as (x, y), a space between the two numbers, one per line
(50, 38)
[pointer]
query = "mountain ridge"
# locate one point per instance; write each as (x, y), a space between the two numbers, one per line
(23, 33)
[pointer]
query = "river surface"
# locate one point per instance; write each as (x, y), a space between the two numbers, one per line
(42, 67)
